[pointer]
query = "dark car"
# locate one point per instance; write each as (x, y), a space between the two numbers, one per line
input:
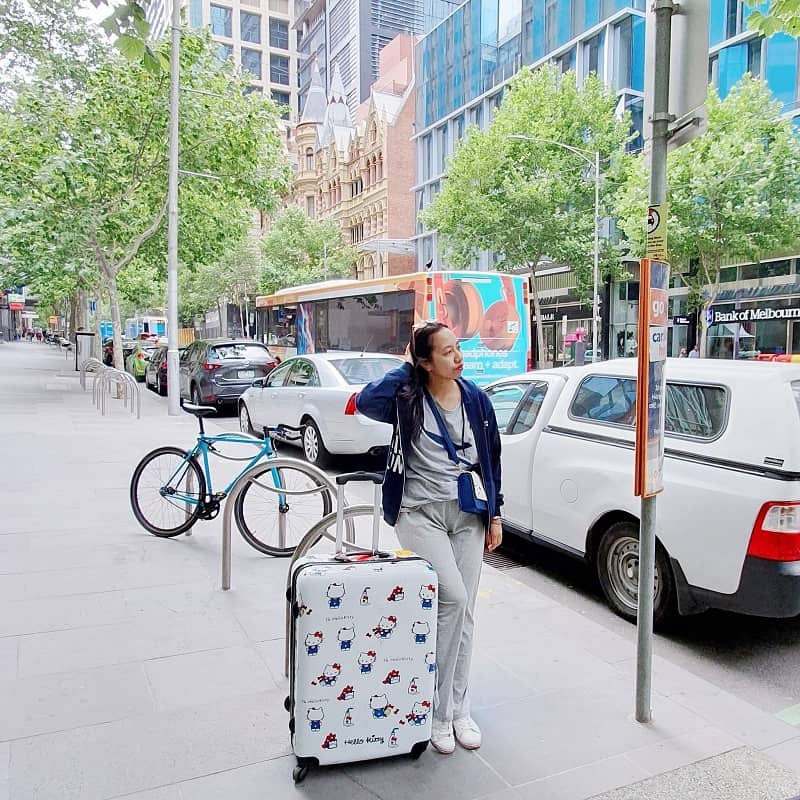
(155, 375)
(217, 371)
(108, 350)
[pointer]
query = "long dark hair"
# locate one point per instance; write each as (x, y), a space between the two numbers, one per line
(420, 346)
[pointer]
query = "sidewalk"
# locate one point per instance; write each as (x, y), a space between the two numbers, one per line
(126, 672)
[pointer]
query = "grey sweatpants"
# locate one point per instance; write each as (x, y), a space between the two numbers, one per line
(453, 543)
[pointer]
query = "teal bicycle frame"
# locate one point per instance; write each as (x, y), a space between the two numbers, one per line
(205, 444)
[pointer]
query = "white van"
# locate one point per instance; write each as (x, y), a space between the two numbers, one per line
(728, 520)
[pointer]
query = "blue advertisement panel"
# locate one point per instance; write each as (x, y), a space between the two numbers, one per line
(488, 313)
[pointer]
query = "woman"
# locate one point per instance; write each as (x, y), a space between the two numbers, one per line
(420, 498)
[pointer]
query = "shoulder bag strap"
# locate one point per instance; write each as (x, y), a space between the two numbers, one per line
(448, 442)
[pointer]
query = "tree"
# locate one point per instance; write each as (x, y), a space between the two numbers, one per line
(43, 38)
(530, 200)
(88, 172)
(733, 193)
(299, 250)
(774, 16)
(235, 278)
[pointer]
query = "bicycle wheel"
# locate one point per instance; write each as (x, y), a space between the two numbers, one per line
(160, 482)
(274, 523)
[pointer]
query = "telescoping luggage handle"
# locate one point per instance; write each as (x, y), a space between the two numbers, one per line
(341, 481)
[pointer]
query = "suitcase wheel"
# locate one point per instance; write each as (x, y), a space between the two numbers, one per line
(418, 749)
(300, 771)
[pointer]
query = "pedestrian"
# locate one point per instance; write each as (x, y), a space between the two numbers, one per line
(695, 351)
(440, 509)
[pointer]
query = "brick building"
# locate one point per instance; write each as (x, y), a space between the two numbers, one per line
(359, 171)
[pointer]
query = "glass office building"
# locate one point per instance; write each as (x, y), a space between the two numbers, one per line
(464, 63)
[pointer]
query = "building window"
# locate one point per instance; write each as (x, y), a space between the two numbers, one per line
(279, 34)
(309, 158)
(281, 6)
(593, 55)
(357, 233)
(196, 13)
(250, 25)
(458, 128)
(356, 187)
(310, 206)
(442, 142)
(252, 90)
(427, 157)
(781, 68)
(282, 99)
(224, 53)
(279, 69)
(221, 21)
(251, 62)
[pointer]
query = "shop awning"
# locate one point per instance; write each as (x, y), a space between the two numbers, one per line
(758, 292)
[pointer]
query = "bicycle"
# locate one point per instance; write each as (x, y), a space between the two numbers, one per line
(171, 489)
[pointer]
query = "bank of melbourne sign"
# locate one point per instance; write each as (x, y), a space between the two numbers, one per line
(754, 314)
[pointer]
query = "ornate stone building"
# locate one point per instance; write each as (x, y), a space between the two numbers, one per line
(360, 171)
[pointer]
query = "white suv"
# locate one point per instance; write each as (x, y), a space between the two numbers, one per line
(728, 520)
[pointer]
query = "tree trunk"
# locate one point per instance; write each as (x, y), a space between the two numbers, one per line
(537, 312)
(701, 324)
(241, 318)
(72, 321)
(116, 322)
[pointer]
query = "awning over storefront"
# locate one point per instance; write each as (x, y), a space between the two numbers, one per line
(758, 292)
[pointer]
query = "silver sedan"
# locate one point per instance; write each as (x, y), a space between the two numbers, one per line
(318, 391)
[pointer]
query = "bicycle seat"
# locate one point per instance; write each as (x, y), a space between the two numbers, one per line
(198, 411)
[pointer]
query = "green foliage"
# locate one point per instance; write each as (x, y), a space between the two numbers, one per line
(83, 176)
(734, 193)
(127, 24)
(780, 15)
(43, 39)
(298, 250)
(525, 200)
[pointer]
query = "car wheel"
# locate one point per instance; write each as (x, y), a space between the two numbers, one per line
(196, 397)
(617, 565)
(244, 420)
(162, 390)
(313, 448)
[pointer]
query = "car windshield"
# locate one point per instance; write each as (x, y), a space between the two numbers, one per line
(364, 370)
(240, 350)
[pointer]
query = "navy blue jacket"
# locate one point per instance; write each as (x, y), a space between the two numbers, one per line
(379, 401)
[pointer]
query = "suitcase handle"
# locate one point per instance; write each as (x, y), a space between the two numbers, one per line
(341, 481)
(348, 477)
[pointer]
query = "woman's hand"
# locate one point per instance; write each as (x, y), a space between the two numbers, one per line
(494, 535)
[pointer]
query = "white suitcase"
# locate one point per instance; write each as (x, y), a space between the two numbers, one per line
(362, 651)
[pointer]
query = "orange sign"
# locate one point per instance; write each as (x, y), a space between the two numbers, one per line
(651, 386)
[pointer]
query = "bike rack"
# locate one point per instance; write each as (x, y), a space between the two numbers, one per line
(323, 483)
(105, 378)
(89, 365)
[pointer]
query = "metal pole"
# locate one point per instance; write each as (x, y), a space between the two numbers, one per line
(596, 252)
(663, 10)
(173, 378)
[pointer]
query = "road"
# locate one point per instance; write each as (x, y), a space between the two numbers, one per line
(756, 659)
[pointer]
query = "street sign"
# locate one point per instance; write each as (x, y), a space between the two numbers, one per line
(92, 306)
(688, 71)
(657, 232)
(651, 388)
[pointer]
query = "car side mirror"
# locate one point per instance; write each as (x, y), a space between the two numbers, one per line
(258, 383)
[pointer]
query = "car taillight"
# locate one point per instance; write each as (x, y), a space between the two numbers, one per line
(350, 409)
(211, 367)
(530, 364)
(776, 534)
(163, 366)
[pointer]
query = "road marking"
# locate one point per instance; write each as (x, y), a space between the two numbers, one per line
(790, 715)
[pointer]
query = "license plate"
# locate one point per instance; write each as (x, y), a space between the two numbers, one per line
(247, 373)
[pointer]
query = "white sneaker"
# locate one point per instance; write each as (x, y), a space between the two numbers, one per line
(442, 737)
(467, 733)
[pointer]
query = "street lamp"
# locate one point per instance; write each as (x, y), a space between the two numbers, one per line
(593, 160)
